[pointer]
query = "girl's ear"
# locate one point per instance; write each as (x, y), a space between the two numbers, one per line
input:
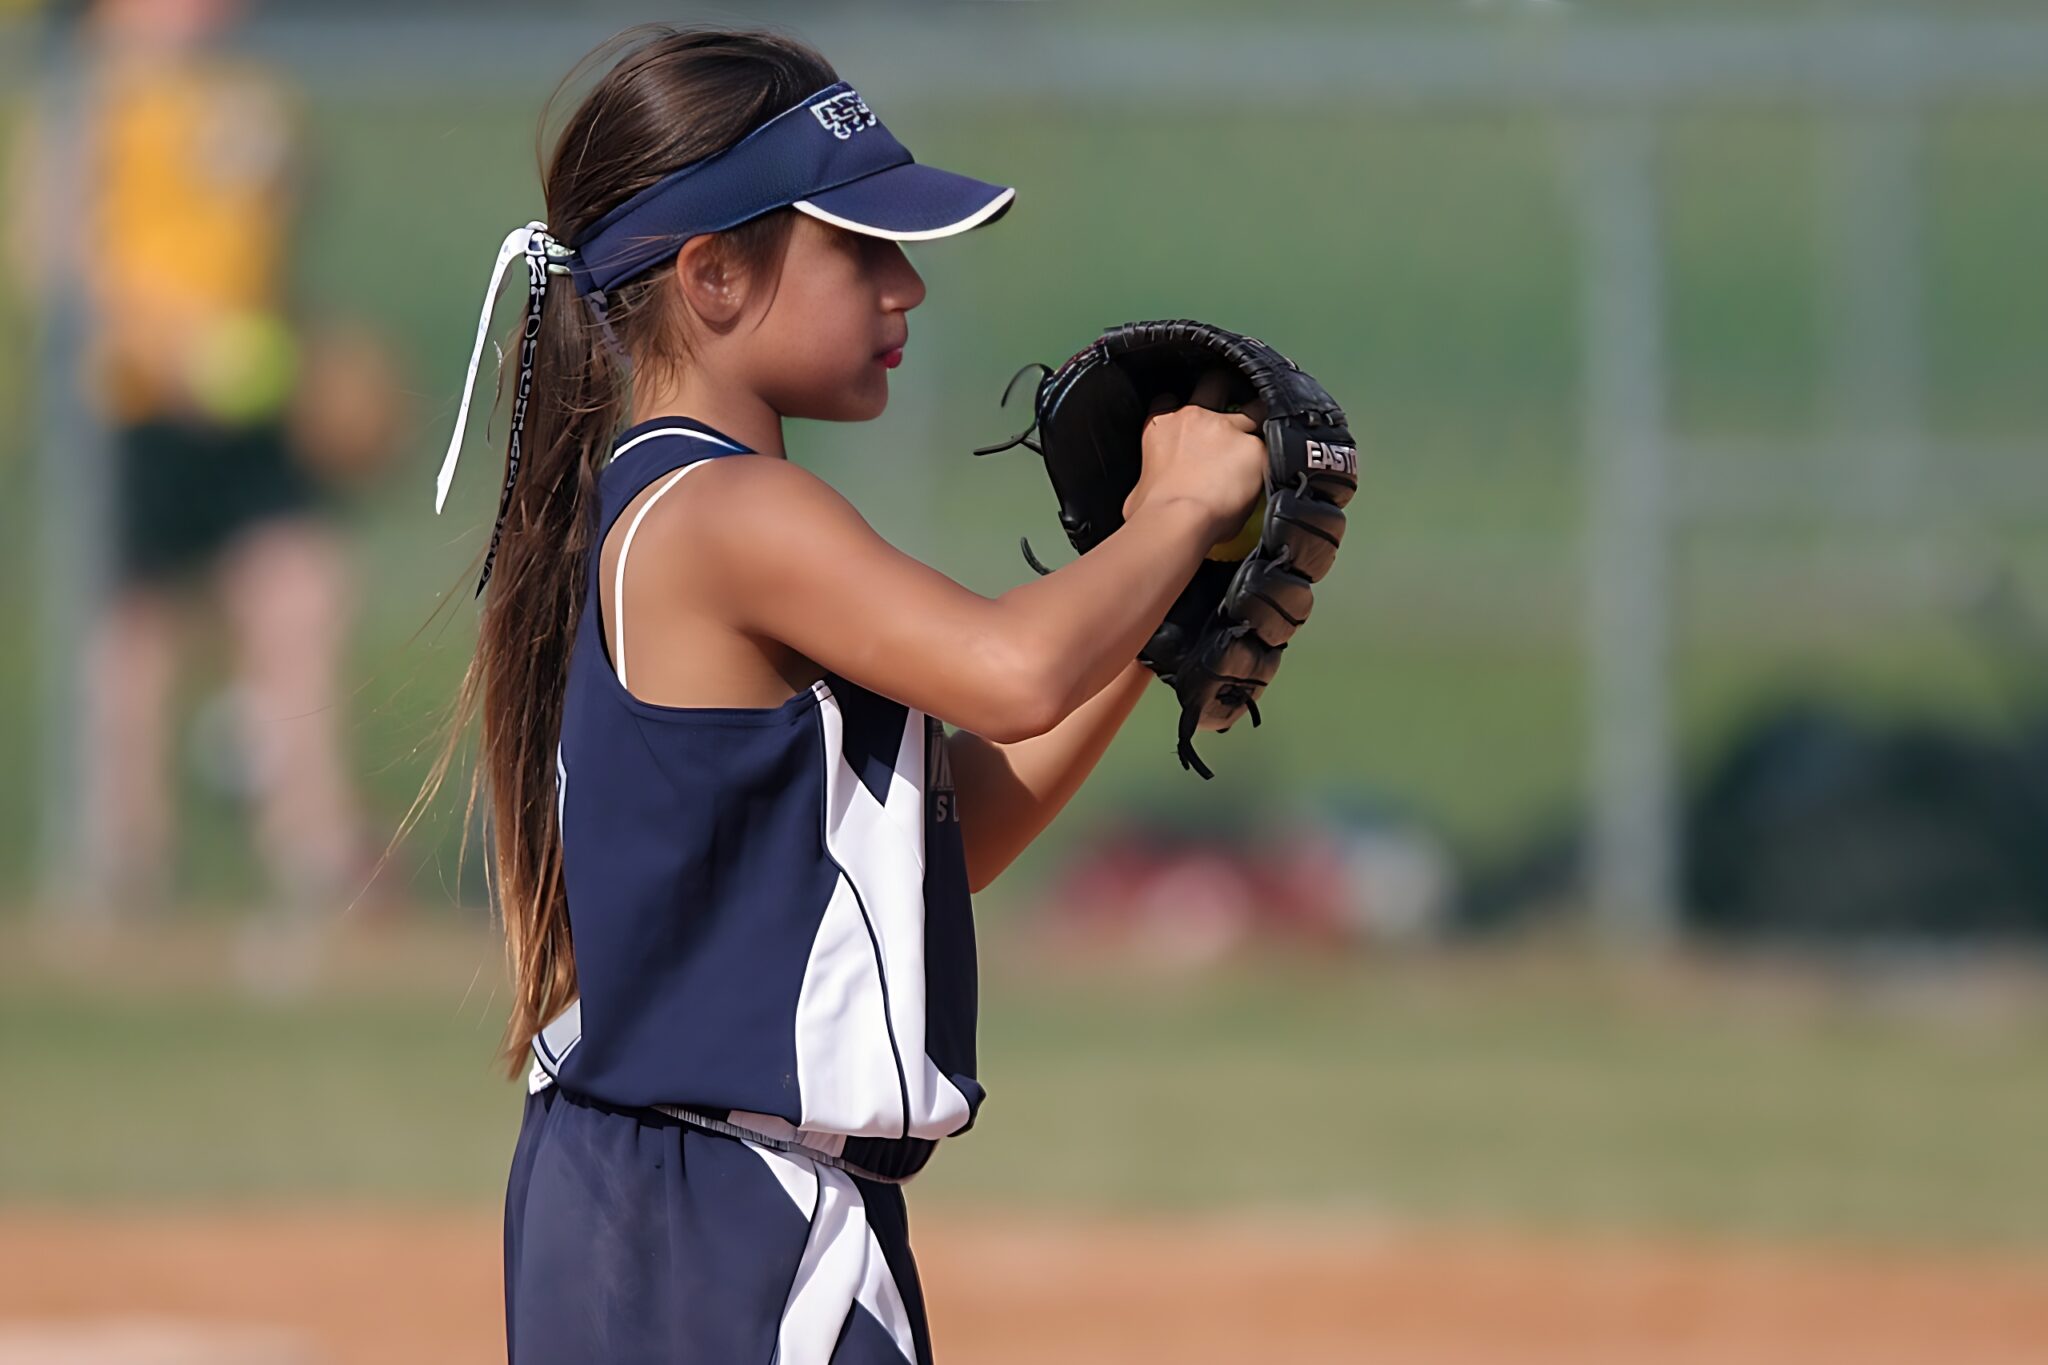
(713, 290)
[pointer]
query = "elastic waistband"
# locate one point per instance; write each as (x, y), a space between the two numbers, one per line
(890, 1161)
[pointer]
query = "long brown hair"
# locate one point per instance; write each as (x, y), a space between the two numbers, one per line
(672, 95)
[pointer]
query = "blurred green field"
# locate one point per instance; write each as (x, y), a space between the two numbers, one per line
(1435, 293)
(1434, 290)
(1541, 1090)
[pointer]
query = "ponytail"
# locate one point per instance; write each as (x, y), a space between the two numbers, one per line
(672, 95)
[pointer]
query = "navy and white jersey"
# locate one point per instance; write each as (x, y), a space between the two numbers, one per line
(769, 905)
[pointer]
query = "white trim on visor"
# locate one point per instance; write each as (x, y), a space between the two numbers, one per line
(980, 215)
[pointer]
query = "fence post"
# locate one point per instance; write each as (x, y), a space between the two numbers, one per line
(73, 496)
(1631, 855)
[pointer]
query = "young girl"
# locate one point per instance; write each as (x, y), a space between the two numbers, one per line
(714, 712)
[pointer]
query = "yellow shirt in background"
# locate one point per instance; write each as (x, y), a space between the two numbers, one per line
(191, 202)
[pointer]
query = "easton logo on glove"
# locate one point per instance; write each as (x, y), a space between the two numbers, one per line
(1343, 459)
(1221, 641)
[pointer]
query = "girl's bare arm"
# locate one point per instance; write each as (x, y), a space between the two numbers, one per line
(789, 558)
(1009, 793)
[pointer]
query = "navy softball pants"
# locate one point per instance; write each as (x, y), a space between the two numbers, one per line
(631, 1237)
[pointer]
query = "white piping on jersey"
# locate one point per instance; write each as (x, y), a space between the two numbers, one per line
(561, 788)
(669, 431)
(619, 589)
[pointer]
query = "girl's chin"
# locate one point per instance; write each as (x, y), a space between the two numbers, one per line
(876, 394)
(863, 400)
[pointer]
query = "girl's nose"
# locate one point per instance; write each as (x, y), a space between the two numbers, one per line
(905, 287)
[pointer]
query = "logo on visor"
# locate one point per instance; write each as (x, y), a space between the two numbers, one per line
(844, 115)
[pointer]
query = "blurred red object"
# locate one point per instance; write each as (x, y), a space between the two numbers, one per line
(1349, 874)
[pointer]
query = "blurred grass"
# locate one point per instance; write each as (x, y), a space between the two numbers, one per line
(1426, 270)
(1538, 1088)
(1546, 1092)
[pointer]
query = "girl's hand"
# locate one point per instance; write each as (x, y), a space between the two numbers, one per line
(1215, 459)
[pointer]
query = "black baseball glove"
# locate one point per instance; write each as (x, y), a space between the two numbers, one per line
(1221, 641)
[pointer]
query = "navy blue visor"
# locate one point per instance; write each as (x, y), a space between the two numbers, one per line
(827, 156)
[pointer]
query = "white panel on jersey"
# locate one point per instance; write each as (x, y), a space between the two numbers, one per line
(842, 1266)
(560, 1036)
(845, 1068)
(880, 848)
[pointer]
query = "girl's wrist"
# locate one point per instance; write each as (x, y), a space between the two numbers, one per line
(1134, 678)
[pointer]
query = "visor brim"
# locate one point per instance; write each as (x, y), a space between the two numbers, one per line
(910, 203)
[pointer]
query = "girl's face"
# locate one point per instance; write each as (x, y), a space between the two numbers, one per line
(818, 349)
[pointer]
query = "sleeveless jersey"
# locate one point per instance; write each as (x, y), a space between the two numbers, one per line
(769, 905)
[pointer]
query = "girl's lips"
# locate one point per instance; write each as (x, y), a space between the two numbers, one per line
(891, 359)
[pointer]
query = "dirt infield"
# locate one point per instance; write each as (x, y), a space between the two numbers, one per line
(335, 1287)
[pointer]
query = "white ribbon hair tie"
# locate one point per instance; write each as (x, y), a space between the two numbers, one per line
(538, 244)
(543, 261)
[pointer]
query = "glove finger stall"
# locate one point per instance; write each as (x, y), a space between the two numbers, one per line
(1231, 671)
(1271, 597)
(1306, 530)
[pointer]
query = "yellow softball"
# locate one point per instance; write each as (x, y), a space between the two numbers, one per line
(1247, 538)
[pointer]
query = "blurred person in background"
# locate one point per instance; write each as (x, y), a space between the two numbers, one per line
(231, 436)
